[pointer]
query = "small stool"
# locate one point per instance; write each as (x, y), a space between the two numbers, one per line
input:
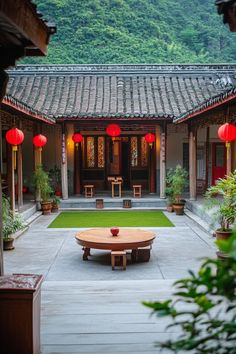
(137, 190)
(99, 204)
(117, 255)
(88, 190)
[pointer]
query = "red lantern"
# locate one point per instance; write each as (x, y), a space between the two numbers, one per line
(39, 140)
(14, 137)
(77, 138)
(150, 138)
(113, 130)
(227, 132)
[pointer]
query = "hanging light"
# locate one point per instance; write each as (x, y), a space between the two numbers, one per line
(14, 137)
(150, 138)
(77, 138)
(39, 141)
(227, 133)
(113, 130)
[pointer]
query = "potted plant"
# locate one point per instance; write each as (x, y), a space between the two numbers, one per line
(221, 199)
(43, 189)
(55, 203)
(179, 181)
(10, 224)
(55, 180)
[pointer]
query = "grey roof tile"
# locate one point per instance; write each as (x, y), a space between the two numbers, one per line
(121, 91)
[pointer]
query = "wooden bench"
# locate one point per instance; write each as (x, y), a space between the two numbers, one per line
(116, 255)
(88, 190)
(137, 190)
(141, 254)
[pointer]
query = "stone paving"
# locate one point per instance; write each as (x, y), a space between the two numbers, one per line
(87, 307)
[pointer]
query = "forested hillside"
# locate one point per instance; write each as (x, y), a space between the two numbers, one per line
(136, 31)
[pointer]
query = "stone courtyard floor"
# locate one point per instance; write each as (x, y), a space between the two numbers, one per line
(87, 307)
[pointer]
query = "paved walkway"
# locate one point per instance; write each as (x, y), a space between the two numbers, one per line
(87, 308)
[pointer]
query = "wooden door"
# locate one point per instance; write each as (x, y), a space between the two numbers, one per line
(218, 161)
(114, 158)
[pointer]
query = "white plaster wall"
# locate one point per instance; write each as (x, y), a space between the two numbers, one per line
(28, 159)
(176, 136)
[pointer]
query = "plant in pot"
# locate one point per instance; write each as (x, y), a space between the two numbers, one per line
(179, 181)
(10, 224)
(221, 199)
(55, 180)
(55, 203)
(43, 189)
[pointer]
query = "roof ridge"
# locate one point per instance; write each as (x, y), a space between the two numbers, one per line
(122, 68)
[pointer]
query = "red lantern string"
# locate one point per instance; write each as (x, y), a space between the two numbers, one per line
(150, 138)
(77, 138)
(14, 137)
(227, 133)
(113, 130)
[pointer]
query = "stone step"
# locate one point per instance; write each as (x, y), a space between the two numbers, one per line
(113, 203)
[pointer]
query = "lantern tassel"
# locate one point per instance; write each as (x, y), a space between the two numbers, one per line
(227, 144)
(14, 149)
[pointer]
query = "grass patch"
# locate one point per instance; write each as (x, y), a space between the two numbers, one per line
(111, 218)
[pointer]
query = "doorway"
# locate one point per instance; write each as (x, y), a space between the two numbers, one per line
(218, 161)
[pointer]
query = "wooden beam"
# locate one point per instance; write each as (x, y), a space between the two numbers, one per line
(25, 23)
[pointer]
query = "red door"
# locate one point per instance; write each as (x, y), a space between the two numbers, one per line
(218, 161)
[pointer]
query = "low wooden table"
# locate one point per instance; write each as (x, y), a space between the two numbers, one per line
(127, 239)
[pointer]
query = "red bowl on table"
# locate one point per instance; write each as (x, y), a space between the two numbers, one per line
(114, 230)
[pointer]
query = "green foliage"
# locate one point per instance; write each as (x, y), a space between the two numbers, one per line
(136, 31)
(41, 183)
(176, 181)
(221, 198)
(11, 223)
(203, 307)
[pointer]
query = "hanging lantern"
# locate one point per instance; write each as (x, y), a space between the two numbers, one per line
(14, 137)
(77, 138)
(150, 138)
(227, 133)
(39, 141)
(113, 130)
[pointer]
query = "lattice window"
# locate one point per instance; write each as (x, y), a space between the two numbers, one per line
(101, 152)
(144, 152)
(90, 152)
(134, 151)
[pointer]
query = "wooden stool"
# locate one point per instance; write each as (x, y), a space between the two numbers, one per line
(88, 190)
(137, 190)
(118, 254)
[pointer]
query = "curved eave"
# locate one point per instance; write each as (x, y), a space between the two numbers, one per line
(207, 105)
(20, 107)
(119, 116)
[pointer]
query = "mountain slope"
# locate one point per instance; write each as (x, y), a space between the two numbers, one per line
(136, 31)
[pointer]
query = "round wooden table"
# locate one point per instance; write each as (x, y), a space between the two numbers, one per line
(127, 239)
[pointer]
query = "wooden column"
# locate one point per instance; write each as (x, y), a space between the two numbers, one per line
(152, 169)
(19, 175)
(163, 161)
(3, 84)
(77, 169)
(193, 163)
(64, 175)
(229, 159)
(207, 151)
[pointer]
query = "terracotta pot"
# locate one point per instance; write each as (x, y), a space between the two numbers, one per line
(8, 244)
(170, 208)
(179, 209)
(223, 235)
(55, 207)
(46, 207)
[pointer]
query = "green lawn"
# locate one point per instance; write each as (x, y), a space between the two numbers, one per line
(111, 218)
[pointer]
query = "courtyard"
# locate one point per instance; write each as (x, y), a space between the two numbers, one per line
(87, 307)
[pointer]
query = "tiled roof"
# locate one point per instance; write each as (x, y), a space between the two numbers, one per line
(119, 91)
